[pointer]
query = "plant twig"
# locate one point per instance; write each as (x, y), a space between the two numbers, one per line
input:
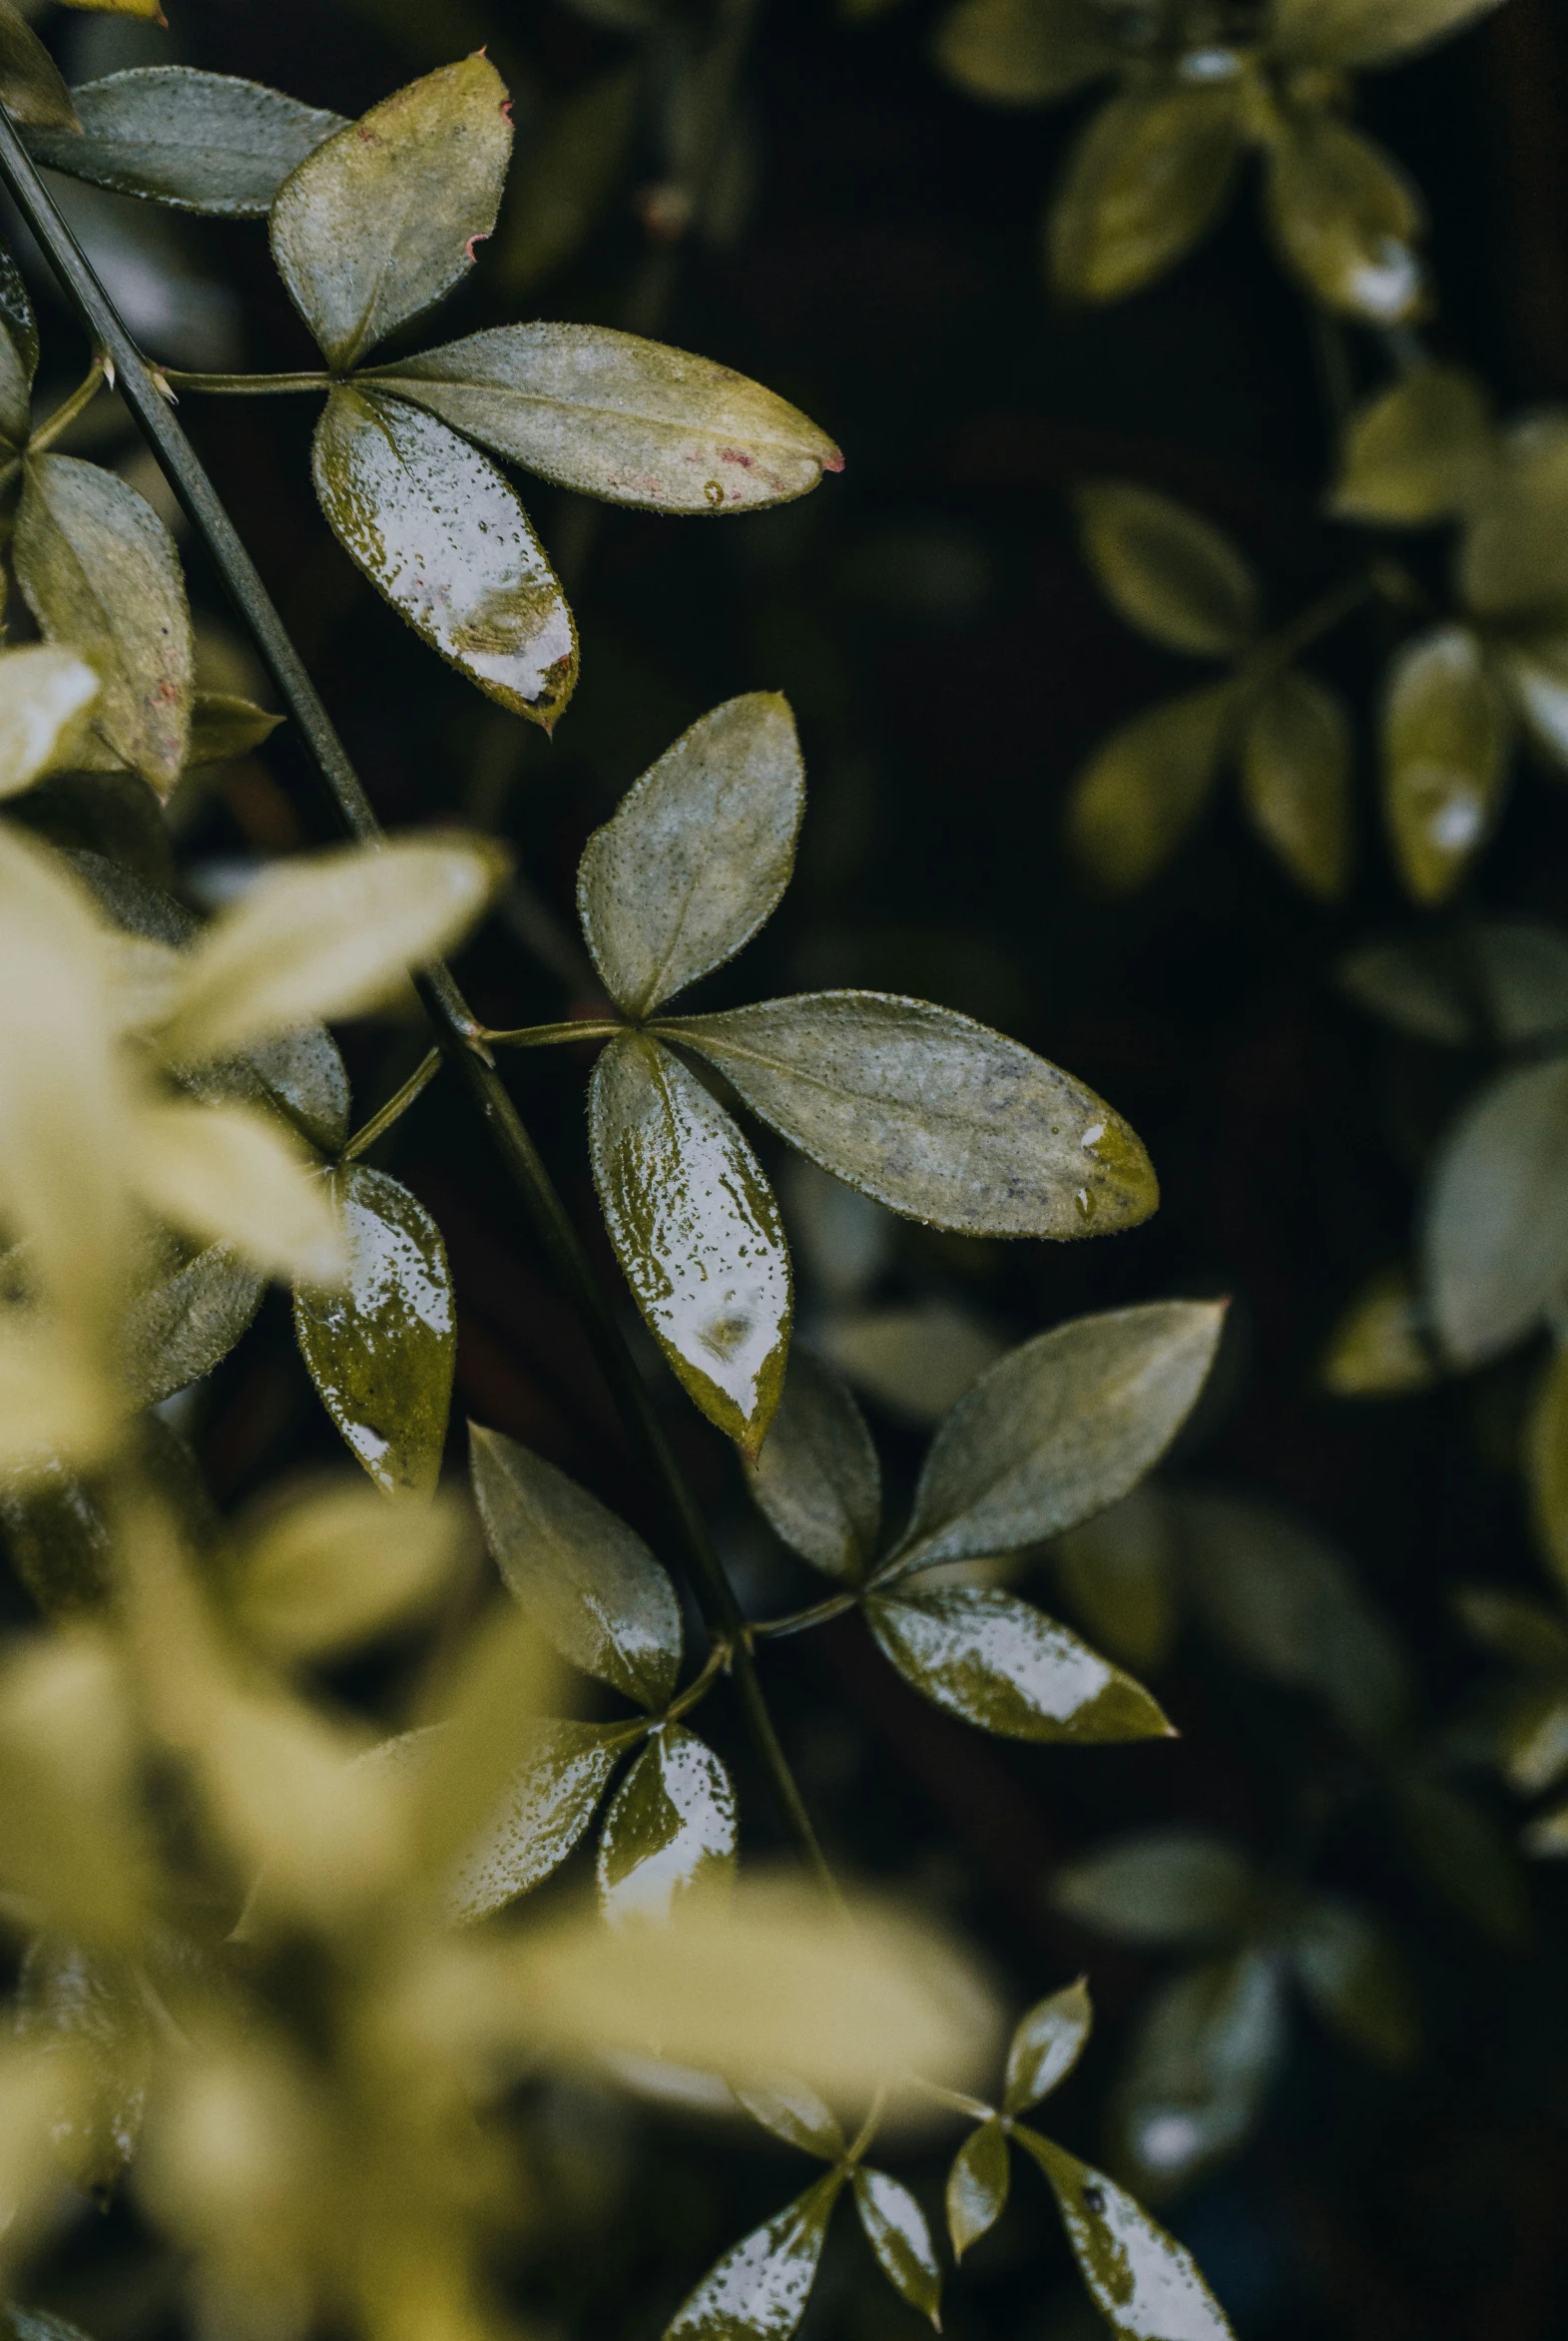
(556, 1035)
(395, 1107)
(55, 425)
(245, 385)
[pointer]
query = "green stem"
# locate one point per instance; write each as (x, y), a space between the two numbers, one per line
(801, 1621)
(395, 1107)
(720, 1655)
(555, 1035)
(55, 425)
(1318, 619)
(245, 385)
(456, 1029)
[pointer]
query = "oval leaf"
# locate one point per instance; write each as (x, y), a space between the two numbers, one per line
(817, 1481)
(1004, 1666)
(186, 1319)
(1295, 781)
(1018, 54)
(1445, 746)
(758, 2290)
(1046, 2045)
(671, 1828)
(1347, 220)
(1513, 560)
(896, 2231)
(1169, 573)
(1203, 2056)
(541, 1818)
(1417, 452)
(1144, 2286)
(977, 2185)
(1144, 184)
(1168, 1886)
(1143, 789)
(198, 142)
(1495, 1241)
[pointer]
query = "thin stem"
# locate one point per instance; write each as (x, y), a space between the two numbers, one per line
(55, 425)
(801, 1621)
(1317, 619)
(718, 1660)
(395, 1107)
(244, 386)
(456, 1028)
(555, 1035)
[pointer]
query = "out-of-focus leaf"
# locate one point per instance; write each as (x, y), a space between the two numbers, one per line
(1533, 668)
(1464, 1859)
(696, 1232)
(89, 2009)
(671, 1827)
(31, 87)
(1413, 987)
(1532, 1738)
(932, 1114)
(1205, 2054)
(1495, 1239)
(1143, 2282)
(59, 1545)
(977, 2185)
(101, 576)
(71, 1837)
(795, 2114)
(200, 141)
(1377, 1350)
(1145, 182)
(42, 692)
(1169, 573)
(1445, 747)
(338, 1565)
(1419, 451)
(896, 2231)
(1524, 1631)
(1004, 1666)
(1297, 757)
(546, 1808)
(915, 1361)
(1368, 32)
(381, 220)
(1514, 559)
(1546, 1465)
(226, 1174)
(1346, 220)
(1046, 2045)
(567, 179)
(444, 538)
(758, 2290)
(612, 415)
(817, 1480)
(1355, 1979)
(1143, 789)
(223, 725)
(1117, 1570)
(381, 1349)
(588, 1582)
(1061, 1428)
(1017, 53)
(1547, 1836)
(697, 856)
(186, 1319)
(1166, 1886)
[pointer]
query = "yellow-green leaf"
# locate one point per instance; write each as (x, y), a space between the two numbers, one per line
(1004, 1666)
(1144, 184)
(1297, 755)
(1143, 2282)
(226, 1174)
(18, 354)
(1511, 1626)
(1046, 2045)
(31, 87)
(1495, 1240)
(1166, 1886)
(1514, 559)
(671, 1828)
(1368, 32)
(1346, 220)
(544, 1813)
(1446, 740)
(1018, 53)
(1419, 451)
(977, 2185)
(198, 142)
(758, 2290)
(1143, 789)
(1119, 1573)
(894, 2227)
(1169, 572)
(337, 1565)
(817, 1480)
(1378, 1348)
(223, 725)
(1355, 1979)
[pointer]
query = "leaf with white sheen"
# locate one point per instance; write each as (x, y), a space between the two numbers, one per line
(1346, 220)
(696, 1232)
(1057, 1429)
(1169, 572)
(542, 1816)
(896, 2231)
(31, 87)
(230, 1176)
(195, 141)
(197, 1304)
(101, 575)
(672, 1828)
(818, 1481)
(932, 1114)
(1419, 451)
(698, 853)
(1143, 2282)
(1144, 183)
(614, 417)
(1205, 2052)
(381, 220)
(1495, 1239)
(758, 2290)
(1368, 32)
(794, 2114)
(1446, 740)
(42, 692)
(1164, 1885)
(1144, 786)
(1004, 1666)
(977, 2185)
(1048, 2043)
(443, 536)
(1016, 53)
(586, 1579)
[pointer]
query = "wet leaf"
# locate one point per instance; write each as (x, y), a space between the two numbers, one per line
(1208, 2048)
(1019, 54)
(587, 1580)
(614, 417)
(1166, 1886)
(31, 87)
(1513, 561)
(932, 1114)
(1143, 789)
(1445, 744)
(1355, 1979)
(222, 726)
(1046, 2045)
(1004, 1666)
(68, 2001)
(443, 536)
(1379, 1349)
(186, 1319)
(1144, 2286)
(1419, 451)
(896, 2231)
(1369, 32)
(101, 576)
(567, 179)
(1346, 220)
(1546, 1465)
(697, 856)
(696, 1232)
(794, 2114)
(1118, 1572)
(380, 220)
(200, 141)
(1169, 573)
(817, 1480)
(1495, 1239)
(1296, 758)
(1144, 183)
(1061, 1428)
(977, 2185)
(42, 692)
(1464, 1859)
(671, 1828)
(758, 2290)
(544, 1814)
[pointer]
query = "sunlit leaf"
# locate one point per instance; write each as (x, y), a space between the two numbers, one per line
(1546, 1464)
(1379, 1349)
(1046, 2045)
(338, 1565)
(31, 87)
(1495, 1238)
(794, 2114)
(896, 2231)
(200, 141)
(1004, 1666)
(89, 2009)
(543, 1815)
(671, 1827)
(1296, 756)
(977, 2185)
(1118, 1572)
(1419, 451)
(1445, 746)
(1143, 789)
(1346, 220)
(227, 1175)
(185, 1319)
(758, 2290)
(1464, 1859)
(42, 692)
(1205, 2051)
(1020, 54)
(1368, 32)
(1145, 182)
(1169, 573)
(1168, 1886)
(818, 1480)
(1355, 1979)
(1144, 2283)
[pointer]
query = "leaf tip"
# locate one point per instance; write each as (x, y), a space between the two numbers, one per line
(833, 462)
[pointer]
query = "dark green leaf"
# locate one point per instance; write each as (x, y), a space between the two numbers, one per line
(1495, 1240)
(758, 2290)
(1169, 1886)
(200, 141)
(185, 1319)
(1513, 1627)
(1297, 757)
(1446, 738)
(818, 1480)
(1144, 2286)
(671, 1828)
(794, 2114)
(1143, 789)
(1118, 1572)
(31, 88)
(1145, 182)
(977, 2185)
(84, 2006)
(1419, 451)
(1368, 32)
(994, 1661)
(1171, 573)
(896, 2231)
(1046, 2045)
(1464, 1859)
(1207, 2049)
(1355, 1979)
(1346, 220)
(58, 1542)
(1019, 54)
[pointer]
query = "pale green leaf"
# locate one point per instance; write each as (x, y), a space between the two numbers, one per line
(338, 1565)
(1446, 738)
(1018, 53)
(1496, 1235)
(567, 179)
(1379, 1348)
(895, 2229)
(1464, 1859)
(1368, 32)
(88, 2008)
(1145, 182)
(1166, 1886)
(198, 142)
(758, 2290)
(1514, 559)
(587, 1580)
(794, 2114)
(817, 1480)
(1355, 1979)
(932, 1114)
(31, 88)
(1205, 2054)
(1004, 1666)
(696, 1232)
(42, 692)
(381, 220)
(1419, 451)
(1048, 2043)
(226, 1174)
(671, 1828)
(185, 1319)
(381, 1350)
(1169, 573)
(915, 1361)
(1144, 786)
(698, 855)
(1143, 2282)
(1118, 1572)
(977, 2185)
(1346, 220)
(544, 1813)
(1296, 758)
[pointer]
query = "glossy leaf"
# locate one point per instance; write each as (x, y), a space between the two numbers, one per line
(1143, 789)
(1356, 1982)
(1347, 220)
(758, 2290)
(1166, 1886)
(696, 1232)
(932, 1114)
(1169, 573)
(1546, 1465)
(198, 142)
(73, 2005)
(1144, 184)
(1514, 557)
(42, 693)
(101, 576)
(587, 1580)
(895, 2228)
(817, 1480)
(1143, 2282)
(1205, 2054)
(1118, 1572)
(611, 416)
(381, 1350)
(186, 1319)
(1369, 32)
(1296, 758)
(31, 87)
(1445, 742)
(1495, 1239)
(669, 1830)
(1061, 1428)
(443, 536)
(381, 220)
(546, 1809)
(1048, 2043)
(697, 856)
(1004, 1666)
(977, 2185)
(795, 2114)
(1018, 54)
(1379, 1348)
(1419, 451)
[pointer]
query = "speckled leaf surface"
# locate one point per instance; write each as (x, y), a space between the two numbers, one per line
(1003, 1665)
(18, 353)
(895, 2228)
(196, 141)
(1143, 2282)
(671, 1827)
(1047, 2044)
(818, 1481)
(544, 1813)
(977, 2185)
(758, 2290)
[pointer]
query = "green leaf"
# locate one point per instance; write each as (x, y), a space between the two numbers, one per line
(1297, 757)
(996, 1662)
(932, 1114)
(1355, 1979)
(1059, 1429)
(1547, 1836)
(758, 2290)
(546, 1809)
(1118, 1572)
(18, 354)
(896, 2231)
(587, 1580)
(977, 2185)
(1169, 572)
(31, 88)
(670, 1829)
(1378, 1349)
(1209, 2045)
(1046, 2045)
(100, 574)
(1531, 1740)
(917, 1361)
(1495, 1237)
(1523, 1631)
(1142, 2281)
(1419, 451)
(1446, 740)
(185, 1319)
(198, 142)
(1514, 559)
(794, 2114)
(1368, 32)
(222, 726)
(567, 179)
(698, 855)
(88, 2008)
(1346, 220)
(1464, 1859)
(381, 1350)
(614, 417)
(441, 534)
(696, 1232)
(380, 220)
(1144, 786)
(1017, 53)
(1144, 184)
(1166, 1886)
(817, 1480)
(1546, 1466)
